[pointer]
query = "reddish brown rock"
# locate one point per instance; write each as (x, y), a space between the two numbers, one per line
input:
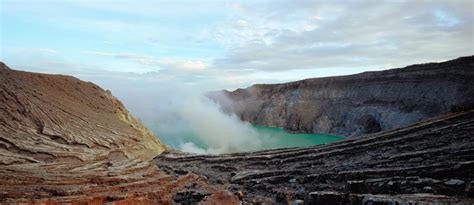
(66, 140)
(54, 118)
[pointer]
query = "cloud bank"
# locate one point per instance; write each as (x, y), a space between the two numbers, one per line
(158, 56)
(235, 44)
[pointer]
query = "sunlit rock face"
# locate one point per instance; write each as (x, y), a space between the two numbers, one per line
(55, 118)
(358, 104)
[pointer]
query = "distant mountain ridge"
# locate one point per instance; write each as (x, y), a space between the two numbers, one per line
(358, 104)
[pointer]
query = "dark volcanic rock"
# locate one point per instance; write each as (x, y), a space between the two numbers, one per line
(65, 141)
(358, 104)
(429, 162)
(189, 197)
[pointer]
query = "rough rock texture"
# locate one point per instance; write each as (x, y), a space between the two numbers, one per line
(358, 104)
(133, 182)
(64, 141)
(431, 162)
(428, 163)
(55, 118)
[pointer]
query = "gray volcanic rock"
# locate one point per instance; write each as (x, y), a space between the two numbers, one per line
(357, 104)
(65, 141)
(431, 162)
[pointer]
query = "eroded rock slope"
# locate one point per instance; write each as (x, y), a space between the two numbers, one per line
(54, 118)
(358, 104)
(431, 162)
(65, 141)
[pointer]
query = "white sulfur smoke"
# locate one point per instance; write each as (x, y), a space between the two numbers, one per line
(186, 119)
(188, 112)
(192, 148)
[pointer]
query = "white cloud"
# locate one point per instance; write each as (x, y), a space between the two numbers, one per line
(242, 23)
(317, 17)
(119, 55)
(236, 6)
(138, 58)
(314, 35)
(47, 50)
(183, 65)
(170, 65)
(40, 51)
(252, 42)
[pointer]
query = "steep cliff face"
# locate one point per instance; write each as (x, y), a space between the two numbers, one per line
(55, 118)
(358, 104)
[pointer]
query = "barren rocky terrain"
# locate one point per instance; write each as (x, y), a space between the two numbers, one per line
(54, 118)
(357, 104)
(434, 157)
(66, 141)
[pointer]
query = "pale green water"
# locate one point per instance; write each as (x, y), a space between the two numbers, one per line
(270, 137)
(281, 138)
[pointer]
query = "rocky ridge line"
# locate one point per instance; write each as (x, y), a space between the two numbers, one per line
(358, 104)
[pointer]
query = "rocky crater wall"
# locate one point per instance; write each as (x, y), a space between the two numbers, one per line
(358, 104)
(65, 141)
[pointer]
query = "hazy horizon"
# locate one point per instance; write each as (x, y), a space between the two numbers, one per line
(158, 57)
(228, 44)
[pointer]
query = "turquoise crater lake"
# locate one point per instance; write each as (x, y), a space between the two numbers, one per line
(279, 138)
(270, 138)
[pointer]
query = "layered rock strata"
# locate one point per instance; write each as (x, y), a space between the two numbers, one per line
(431, 162)
(54, 118)
(65, 141)
(358, 104)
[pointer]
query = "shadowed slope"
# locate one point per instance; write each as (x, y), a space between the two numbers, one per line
(359, 104)
(434, 157)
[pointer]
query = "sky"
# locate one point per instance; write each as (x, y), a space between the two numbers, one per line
(228, 44)
(158, 57)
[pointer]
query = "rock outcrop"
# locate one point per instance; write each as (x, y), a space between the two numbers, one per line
(358, 104)
(65, 141)
(54, 118)
(431, 162)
